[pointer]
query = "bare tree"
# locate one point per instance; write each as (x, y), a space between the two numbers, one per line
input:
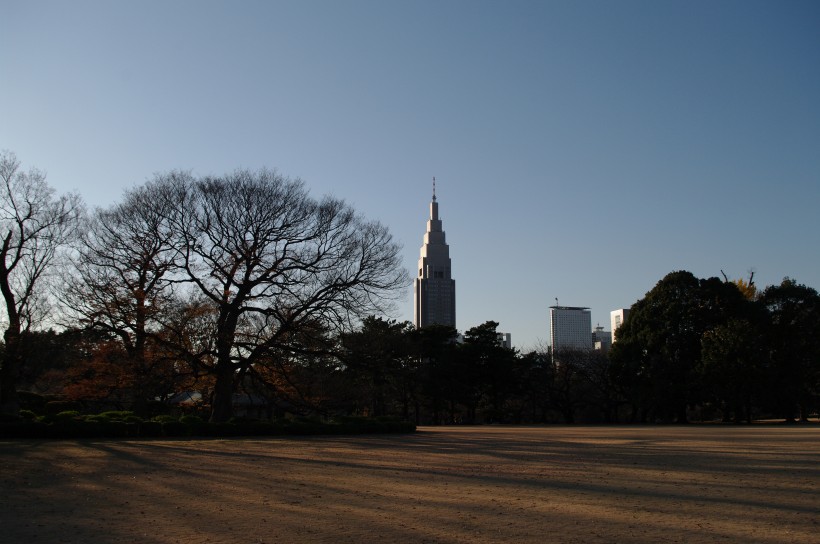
(272, 261)
(34, 225)
(123, 278)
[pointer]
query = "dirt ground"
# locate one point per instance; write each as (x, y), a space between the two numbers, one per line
(445, 485)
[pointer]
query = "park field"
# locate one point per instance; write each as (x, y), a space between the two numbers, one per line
(648, 484)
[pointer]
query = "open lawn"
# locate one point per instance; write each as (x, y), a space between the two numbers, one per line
(653, 484)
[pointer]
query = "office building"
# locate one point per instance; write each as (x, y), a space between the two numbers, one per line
(601, 339)
(617, 318)
(434, 289)
(504, 339)
(570, 328)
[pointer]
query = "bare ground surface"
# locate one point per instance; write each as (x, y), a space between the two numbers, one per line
(751, 484)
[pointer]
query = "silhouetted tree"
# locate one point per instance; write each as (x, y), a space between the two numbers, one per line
(793, 375)
(377, 357)
(658, 353)
(631, 384)
(303, 375)
(535, 375)
(270, 260)
(734, 357)
(435, 349)
(34, 226)
(490, 373)
(570, 388)
(122, 283)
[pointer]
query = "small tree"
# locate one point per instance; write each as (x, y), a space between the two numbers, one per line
(377, 357)
(435, 349)
(491, 372)
(34, 226)
(536, 375)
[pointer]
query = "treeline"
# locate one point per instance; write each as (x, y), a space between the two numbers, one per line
(241, 295)
(691, 349)
(721, 348)
(382, 368)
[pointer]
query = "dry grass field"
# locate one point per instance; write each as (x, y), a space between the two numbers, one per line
(688, 484)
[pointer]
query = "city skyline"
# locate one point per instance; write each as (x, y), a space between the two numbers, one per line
(584, 149)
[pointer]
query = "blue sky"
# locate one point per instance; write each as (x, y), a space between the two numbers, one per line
(582, 149)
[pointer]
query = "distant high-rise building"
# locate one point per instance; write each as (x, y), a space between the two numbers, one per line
(617, 318)
(570, 328)
(504, 339)
(601, 339)
(434, 288)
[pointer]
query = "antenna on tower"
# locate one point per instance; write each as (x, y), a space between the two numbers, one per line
(434, 188)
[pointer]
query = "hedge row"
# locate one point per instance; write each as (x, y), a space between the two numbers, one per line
(126, 425)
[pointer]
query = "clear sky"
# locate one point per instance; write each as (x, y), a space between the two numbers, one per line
(582, 149)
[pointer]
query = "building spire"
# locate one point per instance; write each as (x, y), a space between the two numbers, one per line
(434, 188)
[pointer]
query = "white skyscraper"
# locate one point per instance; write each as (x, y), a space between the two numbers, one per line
(617, 318)
(434, 288)
(570, 328)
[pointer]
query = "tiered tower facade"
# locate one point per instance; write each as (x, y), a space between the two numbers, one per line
(434, 287)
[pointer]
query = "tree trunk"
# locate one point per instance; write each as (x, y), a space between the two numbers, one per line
(10, 370)
(569, 415)
(222, 408)
(9, 403)
(682, 415)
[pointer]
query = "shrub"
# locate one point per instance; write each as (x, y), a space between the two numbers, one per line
(155, 408)
(118, 415)
(221, 429)
(150, 428)
(196, 424)
(117, 429)
(32, 401)
(23, 429)
(71, 427)
(68, 414)
(8, 418)
(175, 428)
(56, 406)
(253, 428)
